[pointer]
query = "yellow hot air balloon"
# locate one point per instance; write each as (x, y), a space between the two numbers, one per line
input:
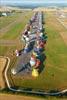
(35, 73)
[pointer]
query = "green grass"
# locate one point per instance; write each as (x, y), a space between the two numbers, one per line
(4, 21)
(54, 74)
(17, 28)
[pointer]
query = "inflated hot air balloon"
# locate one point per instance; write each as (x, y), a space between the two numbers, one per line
(29, 32)
(37, 50)
(41, 34)
(37, 42)
(17, 53)
(26, 49)
(25, 32)
(42, 38)
(27, 39)
(35, 72)
(41, 44)
(32, 61)
(38, 62)
(24, 36)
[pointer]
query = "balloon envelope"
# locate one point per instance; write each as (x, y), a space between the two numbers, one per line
(35, 73)
(32, 62)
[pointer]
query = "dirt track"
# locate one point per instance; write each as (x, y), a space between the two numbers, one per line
(2, 65)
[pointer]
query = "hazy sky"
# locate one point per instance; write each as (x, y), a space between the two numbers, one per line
(32, 1)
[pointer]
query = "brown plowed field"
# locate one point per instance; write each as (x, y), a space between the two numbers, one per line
(2, 65)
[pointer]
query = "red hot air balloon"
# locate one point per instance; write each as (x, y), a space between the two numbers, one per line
(41, 44)
(38, 62)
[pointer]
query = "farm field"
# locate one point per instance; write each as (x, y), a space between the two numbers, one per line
(8, 40)
(14, 25)
(63, 21)
(63, 18)
(4, 21)
(18, 97)
(54, 73)
(2, 66)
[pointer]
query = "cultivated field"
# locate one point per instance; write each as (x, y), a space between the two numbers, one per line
(2, 66)
(12, 26)
(17, 97)
(54, 72)
(63, 21)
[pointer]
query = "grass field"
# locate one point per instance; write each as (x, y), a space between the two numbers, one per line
(4, 21)
(54, 73)
(17, 24)
(14, 31)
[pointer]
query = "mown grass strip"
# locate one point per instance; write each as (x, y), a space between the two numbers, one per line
(16, 29)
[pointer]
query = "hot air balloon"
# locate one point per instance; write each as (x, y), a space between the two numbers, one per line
(17, 53)
(26, 49)
(38, 62)
(35, 72)
(32, 60)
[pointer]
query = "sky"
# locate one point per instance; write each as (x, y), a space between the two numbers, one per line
(31, 1)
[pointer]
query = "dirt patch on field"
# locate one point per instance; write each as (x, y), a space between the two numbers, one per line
(64, 36)
(17, 97)
(2, 65)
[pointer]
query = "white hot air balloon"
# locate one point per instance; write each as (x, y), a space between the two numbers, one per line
(32, 61)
